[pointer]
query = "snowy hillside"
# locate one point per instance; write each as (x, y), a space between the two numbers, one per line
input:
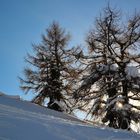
(21, 120)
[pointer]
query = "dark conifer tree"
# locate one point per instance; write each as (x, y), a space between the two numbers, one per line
(52, 72)
(111, 85)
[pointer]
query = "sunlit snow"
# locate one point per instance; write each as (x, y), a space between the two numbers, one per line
(21, 120)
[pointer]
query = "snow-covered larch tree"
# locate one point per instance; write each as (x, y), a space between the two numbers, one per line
(110, 88)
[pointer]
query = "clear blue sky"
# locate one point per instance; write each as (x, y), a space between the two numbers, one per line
(23, 21)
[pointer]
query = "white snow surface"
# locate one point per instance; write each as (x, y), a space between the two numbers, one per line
(22, 120)
(132, 71)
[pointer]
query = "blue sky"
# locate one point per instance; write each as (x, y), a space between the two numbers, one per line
(23, 21)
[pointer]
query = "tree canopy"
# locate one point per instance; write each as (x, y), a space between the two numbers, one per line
(111, 81)
(52, 72)
(104, 82)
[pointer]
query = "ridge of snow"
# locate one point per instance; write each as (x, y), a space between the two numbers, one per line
(21, 120)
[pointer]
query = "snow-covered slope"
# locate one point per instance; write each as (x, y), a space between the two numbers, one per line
(21, 120)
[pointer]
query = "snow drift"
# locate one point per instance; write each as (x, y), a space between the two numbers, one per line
(22, 120)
